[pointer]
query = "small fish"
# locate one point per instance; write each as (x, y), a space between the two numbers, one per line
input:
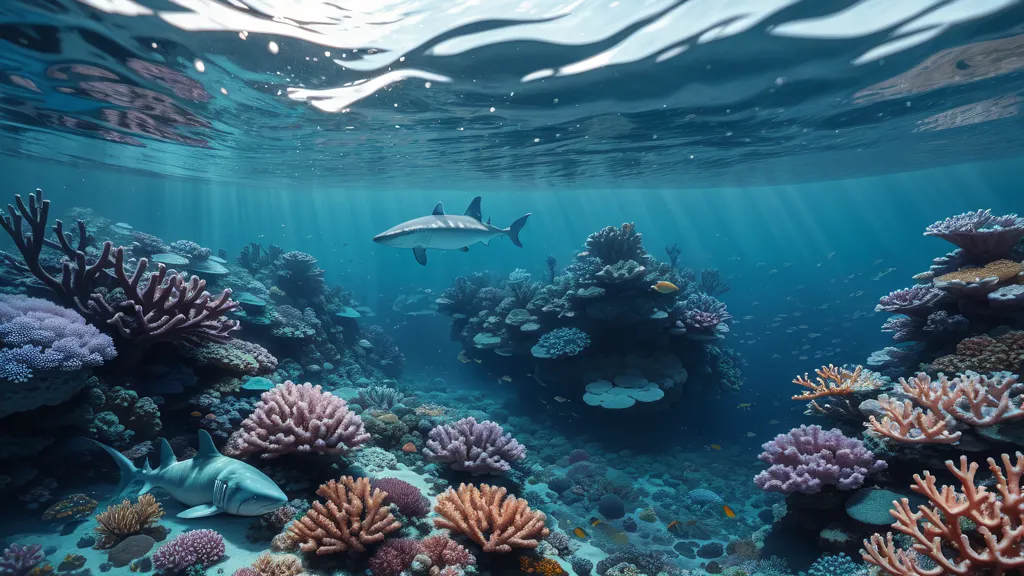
(728, 512)
(211, 417)
(664, 287)
(594, 521)
(774, 422)
(477, 360)
(751, 434)
(506, 378)
(463, 358)
(744, 406)
(672, 525)
(580, 533)
(561, 399)
(715, 446)
(196, 414)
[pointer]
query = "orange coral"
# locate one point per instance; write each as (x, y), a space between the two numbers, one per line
(998, 515)
(542, 566)
(969, 399)
(471, 511)
(352, 518)
(834, 381)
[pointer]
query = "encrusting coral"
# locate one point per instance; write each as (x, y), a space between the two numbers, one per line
(969, 531)
(352, 518)
(473, 511)
(120, 521)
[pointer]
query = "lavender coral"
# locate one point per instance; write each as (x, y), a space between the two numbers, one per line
(983, 236)
(806, 459)
(469, 446)
(193, 548)
(298, 418)
(42, 336)
(915, 301)
(19, 560)
(700, 317)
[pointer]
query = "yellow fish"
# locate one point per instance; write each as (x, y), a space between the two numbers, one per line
(580, 533)
(715, 446)
(728, 512)
(665, 287)
(744, 406)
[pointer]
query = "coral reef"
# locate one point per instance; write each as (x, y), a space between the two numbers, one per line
(807, 459)
(352, 518)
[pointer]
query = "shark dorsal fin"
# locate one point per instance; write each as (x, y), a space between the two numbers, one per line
(146, 467)
(438, 209)
(474, 210)
(166, 454)
(206, 446)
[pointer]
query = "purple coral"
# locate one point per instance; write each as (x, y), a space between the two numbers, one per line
(394, 556)
(904, 328)
(298, 418)
(410, 501)
(701, 317)
(612, 245)
(38, 335)
(469, 446)
(19, 560)
(808, 458)
(918, 301)
(983, 236)
(193, 548)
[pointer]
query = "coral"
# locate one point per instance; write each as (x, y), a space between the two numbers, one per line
(472, 511)
(807, 458)
(190, 249)
(444, 552)
(148, 244)
(916, 301)
(19, 560)
(833, 381)
(298, 418)
(72, 507)
(410, 502)
(468, 446)
(268, 564)
(391, 358)
(561, 342)
(299, 276)
(39, 335)
(985, 354)
(120, 521)
(712, 283)
(379, 397)
(968, 399)
(700, 317)
(710, 550)
(982, 236)
(838, 565)
(612, 245)
(542, 566)
(352, 518)
(611, 507)
(193, 548)
(235, 355)
(968, 530)
(580, 565)
(646, 561)
(393, 557)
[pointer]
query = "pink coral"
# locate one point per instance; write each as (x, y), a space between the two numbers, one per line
(195, 547)
(443, 552)
(393, 557)
(298, 418)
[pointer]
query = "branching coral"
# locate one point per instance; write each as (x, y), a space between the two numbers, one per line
(298, 418)
(968, 531)
(968, 399)
(352, 518)
(473, 512)
(808, 458)
(836, 381)
(120, 521)
(469, 446)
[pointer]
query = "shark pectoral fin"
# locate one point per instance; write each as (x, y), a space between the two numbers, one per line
(474, 210)
(421, 255)
(201, 511)
(145, 488)
(464, 249)
(438, 209)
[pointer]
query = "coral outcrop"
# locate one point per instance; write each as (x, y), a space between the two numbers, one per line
(351, 518)
(490, 518)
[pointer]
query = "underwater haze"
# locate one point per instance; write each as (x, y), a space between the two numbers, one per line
(457, 288)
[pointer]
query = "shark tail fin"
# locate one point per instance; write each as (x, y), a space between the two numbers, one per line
(513, 230)
(129, 472)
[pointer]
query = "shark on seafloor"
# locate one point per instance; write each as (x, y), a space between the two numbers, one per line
(441, 231)
(210, 482)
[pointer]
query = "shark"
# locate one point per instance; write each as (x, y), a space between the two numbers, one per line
(441, 231)
(210, 483)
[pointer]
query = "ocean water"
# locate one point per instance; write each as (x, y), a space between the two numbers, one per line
(722, 197)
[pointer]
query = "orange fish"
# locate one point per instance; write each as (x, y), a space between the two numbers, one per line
(409, 448)
(728, 512)
(196, 414)
(672, 525)
(664, 287)
(580, 533)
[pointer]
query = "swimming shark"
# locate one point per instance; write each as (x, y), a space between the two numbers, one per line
(441, 231)
(210, 482)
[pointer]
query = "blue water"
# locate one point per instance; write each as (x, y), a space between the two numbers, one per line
(800, 148)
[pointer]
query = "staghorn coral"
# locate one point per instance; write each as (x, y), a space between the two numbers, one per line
(469, 446)
(120, 521)
(473, 511)
(835, 381)
(968, 399)
(298, 418)
(966, 531)
(352, 518)
(807, 458)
